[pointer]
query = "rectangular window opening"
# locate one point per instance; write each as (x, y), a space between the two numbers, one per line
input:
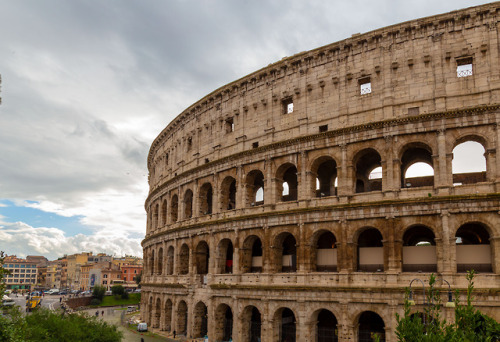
(287, 105)
(189, 143)
(255, 144)
(365, 86)
(464, 67)
(229, 123)
(323, 128)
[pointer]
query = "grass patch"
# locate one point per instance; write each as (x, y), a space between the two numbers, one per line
(134, 299)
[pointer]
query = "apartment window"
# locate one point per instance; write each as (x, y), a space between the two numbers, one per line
(105, 282)
(124, 271)
(105, 276)
(365, 86)
(287, 105)
(464, 67)
(135, 271)
(229, 125)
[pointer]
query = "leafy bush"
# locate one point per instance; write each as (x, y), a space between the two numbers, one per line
(98, 292)
(95, 301)
(124, 295)
(117, 290)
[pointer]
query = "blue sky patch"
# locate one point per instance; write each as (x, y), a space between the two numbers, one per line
(38, 218)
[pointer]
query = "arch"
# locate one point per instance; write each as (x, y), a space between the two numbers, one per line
(202, 257)
(324, 170)
(184, 259)
(228, 193)
(156, 214)
(167, 317)
(223, 323)
(419, 250)
(188, 204)
(370, 324)
(157, 314)
(152, 262)
(412, 155)
(159, 266)
(170, 260)
(326, 326)
(469, 161)
(285, 252)
(164, 216)
(251, 324)
(206, 199)
(225, 256)
(473, 248)
(200, 320)
(251, 255)
(287, 182)
(370, 251)
(174, 209)
(182, 318)
(254, 188)
(365, 162)
(284, 325)
(324, 251)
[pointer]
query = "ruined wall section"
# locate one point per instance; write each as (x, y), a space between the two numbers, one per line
(412, 68)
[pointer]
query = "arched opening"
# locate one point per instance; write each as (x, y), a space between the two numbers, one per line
(285, 319)
(159, 268)
(288, 253)
(473, 248)
(174, 208)
(206, 198)
(251, 324)
(419, 250)
(202, 257)
(326, 252)
(164, 207)
(326, 177)
(184, 259)
(188, 204)
(326, 327)
(366, 162)
(156, 214)
(170, 260)
(255, 188)
(182, 318)
(469, 163)
(167, 321)
(417, 169)
(200, 322)
(287, 182)
(223, 323)
(225, 256)
(370, 251)
(228, 194)
(370, 325)
(157, 314)
(251, 255)
(152, 262)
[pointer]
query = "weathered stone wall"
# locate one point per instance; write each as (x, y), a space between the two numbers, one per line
(243, 195)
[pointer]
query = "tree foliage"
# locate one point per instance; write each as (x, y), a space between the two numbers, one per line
(98, 292)
(470, 324)
(119, 291)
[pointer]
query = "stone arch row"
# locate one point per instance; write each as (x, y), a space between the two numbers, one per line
(322, 176)
(417, 248)
(283, 323)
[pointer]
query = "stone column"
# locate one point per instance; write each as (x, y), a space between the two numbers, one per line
(236, 260)
(495, 253)
(345, 174)
(302, 177)
(300, 245)
(269, 187)
(240, 187)
(216, 195)
(446, 256)
(442, 170)
(302, 325)
(388, 181)
(195, 210)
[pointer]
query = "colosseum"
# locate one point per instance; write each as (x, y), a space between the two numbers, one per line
(300, 201)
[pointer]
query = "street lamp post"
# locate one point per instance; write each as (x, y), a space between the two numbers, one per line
(410, 299)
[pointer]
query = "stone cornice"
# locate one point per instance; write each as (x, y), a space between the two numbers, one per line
(330, 208)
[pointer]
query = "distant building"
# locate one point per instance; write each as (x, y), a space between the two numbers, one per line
(129, 274)
(23, 273)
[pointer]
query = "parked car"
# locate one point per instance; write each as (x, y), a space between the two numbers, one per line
(142, 327)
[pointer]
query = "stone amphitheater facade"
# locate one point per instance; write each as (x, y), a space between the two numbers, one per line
(280, 206)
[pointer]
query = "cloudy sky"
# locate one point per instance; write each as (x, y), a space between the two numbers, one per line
(88, 84)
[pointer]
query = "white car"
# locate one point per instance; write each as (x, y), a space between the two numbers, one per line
(142, 327)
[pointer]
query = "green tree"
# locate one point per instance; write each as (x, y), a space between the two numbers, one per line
(470, 324)
(119, 291)
(138, 279)
(98, 292)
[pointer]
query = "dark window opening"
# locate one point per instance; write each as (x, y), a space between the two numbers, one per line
(229, 125)
(323, 128)
(287, 105)
(255, 144)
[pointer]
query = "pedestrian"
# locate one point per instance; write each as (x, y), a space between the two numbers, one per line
(60, 299)
(175, 333)
(97, 313)
(102, 313)
(142, 340)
